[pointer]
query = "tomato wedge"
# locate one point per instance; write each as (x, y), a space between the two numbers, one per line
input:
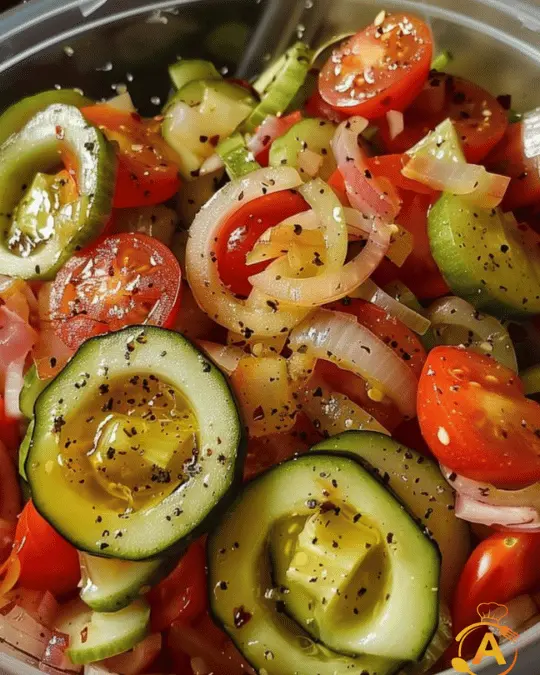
(381, 68)
(48, 561)
(397, 336)
(241, 232)
(147, 173)
(476, 419)
(480, 120)
(124, 279)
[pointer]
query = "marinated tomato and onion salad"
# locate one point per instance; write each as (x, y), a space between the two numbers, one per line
(268, 367)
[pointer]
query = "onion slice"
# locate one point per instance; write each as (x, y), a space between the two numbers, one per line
(334, 337)
(309, 162)
(396, 123)
(481, 188)
(372, 293)
(401, 240)
(492, 337)
(226, 358)
(217, 300)
(520, 518)
(374, 197)
(13, 387)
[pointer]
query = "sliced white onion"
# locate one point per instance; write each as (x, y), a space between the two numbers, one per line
(493, 338)
(122, 102)
(481, 188)
(213, 163)
(520, 610)
(375, 197)
(401, 240)
(217, 300)
(521, 518)
(329, 335)
(531, 133)
(272, 128)
(396, 122)
(226, 358)
(335, 281)
(13, 387)
(372, 293)
(309, 162)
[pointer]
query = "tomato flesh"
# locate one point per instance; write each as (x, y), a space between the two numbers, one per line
(48, 561)
(476, 419)
(124, 279)
(381, 68)
(241, 232)
(147, 173)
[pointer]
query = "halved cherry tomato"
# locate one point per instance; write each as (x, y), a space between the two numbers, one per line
(147, 173)
(10, 433)
(124, 279)
(240, 233)
(284, 124)
(508, 158)
(479, 118)
(182, 595)
(316, 106)
(501, 567)
(476, 419)
(337, 183)
(381, 68)
(390, 166)
(48, 561)
(397, 336)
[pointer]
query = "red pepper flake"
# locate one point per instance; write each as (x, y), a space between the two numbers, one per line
(258, 414)
(241, 616)
(60, 133)
(84, 634)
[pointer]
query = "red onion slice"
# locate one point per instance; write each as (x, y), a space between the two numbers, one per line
(512, 517)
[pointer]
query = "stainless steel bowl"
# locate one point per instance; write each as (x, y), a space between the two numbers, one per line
(98, 44)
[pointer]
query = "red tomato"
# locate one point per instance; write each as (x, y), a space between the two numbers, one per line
(48, 561)
(182, 595)
(381, 68)
(147, 173)
(397, 336)
(508, 158)
(240, 233)
(500, 568)
(390, 166)
(476, 419)
(479, 118)
(337, 183)
(316, 106)
(10, 433)
(285, 123)
(125, 279)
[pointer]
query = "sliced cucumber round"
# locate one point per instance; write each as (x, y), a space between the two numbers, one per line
(355, 563)
(485, 258)
(418, 483)
(31, 389)
(312, 134)
(236, 157)
(94, 636)
(79, 469)
(187, 70)
(110, 585)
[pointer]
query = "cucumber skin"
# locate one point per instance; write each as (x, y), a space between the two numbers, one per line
(196, 69)
(441, 241)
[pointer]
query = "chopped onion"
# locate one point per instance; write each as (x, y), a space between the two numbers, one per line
(275, 411)
(213, 163)
(372, 293)
(375, 197)
(396, 123)
(41, 605)
(13, 386)
(55, 654)
(22, 631)
(401, 240)
(481, 188)
(329, 335)
(136, 660)
(336, 280)
(16, 338)
(309, 162)
(519, 518)
(122, 102)
(272, 128)
(254, 316)
(493, 338)
(531, 133)
(225, 357)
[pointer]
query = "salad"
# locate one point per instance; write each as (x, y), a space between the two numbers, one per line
(269, 364)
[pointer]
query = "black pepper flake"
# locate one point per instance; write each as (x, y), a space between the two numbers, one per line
(206, 367)
(58, 423)
(223, 585)
(390, 537)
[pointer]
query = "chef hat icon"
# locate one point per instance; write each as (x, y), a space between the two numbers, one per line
(491, 611)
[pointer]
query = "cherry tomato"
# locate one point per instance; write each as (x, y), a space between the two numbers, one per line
(381, 68)
(337, 183)
(48, 561)
(508, 158)
(390, 166)
(125, 279)
(147, 173)
(240, 233)
(479, 118)
(284, 124)
(182, 595)
(10, 433)
(397, 336)
(476, 419)
(500, 568)
(316, 106)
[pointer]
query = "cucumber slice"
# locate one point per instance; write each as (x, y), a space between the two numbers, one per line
(253, 610)
(17, 115)
(36, 147)
(24, 449)
(485, 258)
(110, 585)
(94, 636)
(185, 71)
(199, 116)
(108, 493)
(311, 134)
(418, 483)
(236, 157)
(443, 143)
(442, 60)
(279, 84)
(31, 389)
